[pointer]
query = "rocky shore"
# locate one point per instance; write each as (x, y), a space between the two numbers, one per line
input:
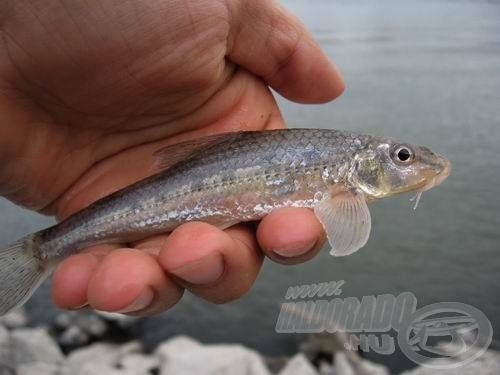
(89, 343)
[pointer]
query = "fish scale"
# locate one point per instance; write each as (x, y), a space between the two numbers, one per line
(200, 178)
(230, 178)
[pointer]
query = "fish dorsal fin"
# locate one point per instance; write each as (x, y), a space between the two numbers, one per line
(168, 156)
(346, 219)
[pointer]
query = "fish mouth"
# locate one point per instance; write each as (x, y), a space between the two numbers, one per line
(445, 166)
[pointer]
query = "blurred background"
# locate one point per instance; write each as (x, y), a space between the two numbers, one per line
(427, 72)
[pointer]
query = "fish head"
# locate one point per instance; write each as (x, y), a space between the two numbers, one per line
(387, 167)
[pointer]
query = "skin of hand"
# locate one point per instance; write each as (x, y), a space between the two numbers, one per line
(89, 90)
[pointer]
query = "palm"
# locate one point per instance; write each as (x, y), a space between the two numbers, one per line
(101, 90)
(89, 91)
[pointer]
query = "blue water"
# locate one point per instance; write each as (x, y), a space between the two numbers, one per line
(426, 72)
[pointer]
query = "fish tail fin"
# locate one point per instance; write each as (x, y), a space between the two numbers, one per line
(21, 272)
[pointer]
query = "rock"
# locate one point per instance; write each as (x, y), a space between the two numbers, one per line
(298, 365)
(276, 363)
(6, 362)
(99, 358)
(326, 369)
(79, 327)
(365, 367)
(139, 363)
(34, 345)
(4, 336)
(73, 336)
(94, 324)
(177, 344)
(63, 320)
(325, 342)
(100, 369)
(38, 368)
(487, 364)
(331, 344)
(342, 366)
(185, 356)
(15, 319)
(130, 347)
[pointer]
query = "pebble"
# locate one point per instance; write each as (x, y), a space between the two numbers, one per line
(99, 355)
(298, 365)
(15, 319)
(184, 356)
(139, 363)
(33, 345)
(33, 351)
(342, 365)
(487, 364)
(38, 368)
(6, 365)
(79, 327)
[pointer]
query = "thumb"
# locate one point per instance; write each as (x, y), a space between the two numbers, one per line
(270, 42)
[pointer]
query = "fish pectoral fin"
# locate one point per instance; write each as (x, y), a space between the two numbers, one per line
(347, 222)
(166, 157)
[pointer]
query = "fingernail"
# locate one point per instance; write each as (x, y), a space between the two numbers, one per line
(296, 249)
(140, 303)
(206, 270)
(80, 307)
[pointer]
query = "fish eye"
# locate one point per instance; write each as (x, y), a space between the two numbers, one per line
(403, 155)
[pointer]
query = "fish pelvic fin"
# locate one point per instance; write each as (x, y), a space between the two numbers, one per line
(21, 272)
(347, 221)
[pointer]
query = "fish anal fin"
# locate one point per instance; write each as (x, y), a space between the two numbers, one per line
(347, 222)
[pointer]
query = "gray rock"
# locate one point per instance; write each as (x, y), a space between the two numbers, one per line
(34, 345)
(342, 366)
(98, 357)
(94, 324)
(38, 368)
(139, 363)
(324, 342)
(6, 362)
(4, 335)
(298, 365)
(177, 344)
(91, 368)
(73, 336)
(487, 364)
(365, 367)
(326, 369)
(185, 356)
(63, 320)
(276, 363)
(79, 327)
(15, 319)
(130, 347)
(349, 361)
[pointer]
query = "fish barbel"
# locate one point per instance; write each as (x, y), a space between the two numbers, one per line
(230, 178)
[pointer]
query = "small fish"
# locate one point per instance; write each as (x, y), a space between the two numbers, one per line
(229, 178)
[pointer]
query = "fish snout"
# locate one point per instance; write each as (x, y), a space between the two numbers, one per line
(443, 171)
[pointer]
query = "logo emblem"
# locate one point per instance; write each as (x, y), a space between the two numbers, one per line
(436, 333)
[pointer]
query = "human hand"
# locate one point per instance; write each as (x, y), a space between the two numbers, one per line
(89, 90)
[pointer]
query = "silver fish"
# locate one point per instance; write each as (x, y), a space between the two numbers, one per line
(230, 178)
